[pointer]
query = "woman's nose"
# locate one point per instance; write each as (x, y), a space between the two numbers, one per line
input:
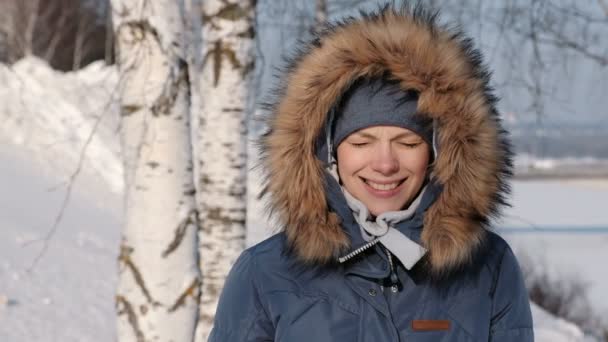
(384, 160)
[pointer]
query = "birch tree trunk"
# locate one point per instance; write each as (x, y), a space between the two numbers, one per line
(227, 69)
(158, 290)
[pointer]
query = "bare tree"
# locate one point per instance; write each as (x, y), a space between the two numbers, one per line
(158, 291)
(66, 33)
(535, 39)
(227, 58)
(17, 22)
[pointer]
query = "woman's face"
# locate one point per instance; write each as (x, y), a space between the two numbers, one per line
(383, 166)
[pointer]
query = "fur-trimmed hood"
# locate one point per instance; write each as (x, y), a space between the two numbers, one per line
(474, 159)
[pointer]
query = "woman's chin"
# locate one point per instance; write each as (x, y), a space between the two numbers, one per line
(377, 211)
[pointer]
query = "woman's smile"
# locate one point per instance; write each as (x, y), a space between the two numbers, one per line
(383, 189)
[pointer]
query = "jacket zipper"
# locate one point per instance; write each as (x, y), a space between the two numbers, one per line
(393, 274)
(358, 251)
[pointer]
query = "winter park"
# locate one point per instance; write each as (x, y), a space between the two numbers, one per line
(145, 145)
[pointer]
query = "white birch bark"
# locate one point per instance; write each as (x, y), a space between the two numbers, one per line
(227, 69)
(158, 290)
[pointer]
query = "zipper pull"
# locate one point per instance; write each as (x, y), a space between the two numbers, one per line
(393, 274)
(394, 279)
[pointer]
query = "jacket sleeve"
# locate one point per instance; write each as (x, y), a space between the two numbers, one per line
(240, 315)
(511, 316)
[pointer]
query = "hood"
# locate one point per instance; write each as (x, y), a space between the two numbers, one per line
(473, 161)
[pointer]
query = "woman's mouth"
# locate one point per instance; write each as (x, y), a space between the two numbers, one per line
(384, 189)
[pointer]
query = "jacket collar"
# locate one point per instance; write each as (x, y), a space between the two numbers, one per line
(410, 228)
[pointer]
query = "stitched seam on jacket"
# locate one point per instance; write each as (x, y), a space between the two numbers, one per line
(254, 265)
(226, 333)
(472, 336)
(529, 330)
(255, 283)
(454, 300)
(496, 276)
(252, 323)
(318, 295)
(493, 317)
(513, 329)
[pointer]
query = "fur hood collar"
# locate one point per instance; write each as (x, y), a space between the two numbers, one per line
(474, 159)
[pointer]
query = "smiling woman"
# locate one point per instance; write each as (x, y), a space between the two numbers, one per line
(386, 161)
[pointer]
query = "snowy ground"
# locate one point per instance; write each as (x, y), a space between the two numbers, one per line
(45, 119)
(68, 296)
(563, 225)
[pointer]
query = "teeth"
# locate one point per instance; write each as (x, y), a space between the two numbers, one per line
(382, 187)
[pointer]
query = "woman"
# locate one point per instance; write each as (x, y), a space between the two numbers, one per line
(386, 161)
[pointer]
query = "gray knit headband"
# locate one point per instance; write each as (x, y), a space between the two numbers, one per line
(375, 102)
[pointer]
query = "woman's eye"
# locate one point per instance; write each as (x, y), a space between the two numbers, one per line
(410, 145)
(358, 144)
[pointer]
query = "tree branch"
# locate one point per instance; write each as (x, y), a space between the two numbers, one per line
(70, 185)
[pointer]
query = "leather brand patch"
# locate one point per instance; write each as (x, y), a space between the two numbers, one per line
(430, 325)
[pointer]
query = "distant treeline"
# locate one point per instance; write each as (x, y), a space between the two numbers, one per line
(69, 34)
(561, 141)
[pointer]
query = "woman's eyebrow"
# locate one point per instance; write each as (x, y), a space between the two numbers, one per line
(365, 135)
(398, 136)
(404, 135)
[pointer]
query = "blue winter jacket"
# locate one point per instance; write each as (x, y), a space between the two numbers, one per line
(267, 298)
(270, 297)
(467, 287)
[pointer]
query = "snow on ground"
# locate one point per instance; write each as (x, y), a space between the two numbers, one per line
(568, 255)
(45, 119)
(549, 329)
(53, 114)
(68, 296)
(563, 225)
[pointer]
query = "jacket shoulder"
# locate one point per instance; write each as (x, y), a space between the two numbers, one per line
(271, 253)
(511, 314)
(241, 314)
(273, 261)
(494, 250)
(274, 244)
(279, 269)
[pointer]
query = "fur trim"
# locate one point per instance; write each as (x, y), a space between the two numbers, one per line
(474, 160)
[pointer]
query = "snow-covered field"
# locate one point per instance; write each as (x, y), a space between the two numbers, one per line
(45, 119)
(68, 295)
(563, 225)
